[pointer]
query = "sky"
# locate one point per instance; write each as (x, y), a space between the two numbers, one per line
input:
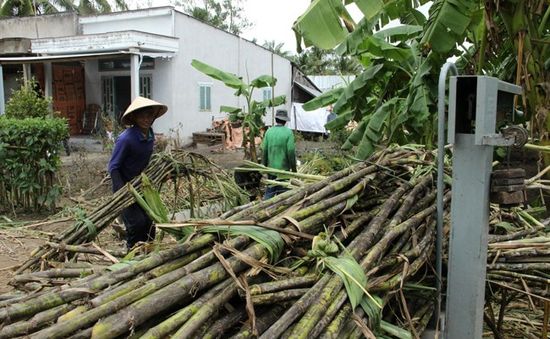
(272, 19)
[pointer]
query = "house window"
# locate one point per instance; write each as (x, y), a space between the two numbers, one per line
(205, 97)
(108, 97)
(123, 64)
(267, 94)
(145, 86)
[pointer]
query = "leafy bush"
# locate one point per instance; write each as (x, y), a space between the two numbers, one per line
(26, 102)
(29, 157)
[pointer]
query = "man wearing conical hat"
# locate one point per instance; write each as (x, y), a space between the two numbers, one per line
(131, 154)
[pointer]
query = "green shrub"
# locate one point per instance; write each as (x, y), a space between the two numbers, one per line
(27, 103)
(30, 159)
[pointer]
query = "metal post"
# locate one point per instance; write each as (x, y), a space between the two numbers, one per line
(472, 165)
(447, 67)
(2, 103)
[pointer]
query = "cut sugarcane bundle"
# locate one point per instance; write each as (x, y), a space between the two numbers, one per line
(345, 256)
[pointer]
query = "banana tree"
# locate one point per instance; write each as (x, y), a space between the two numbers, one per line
(397, 103)
(250, 117)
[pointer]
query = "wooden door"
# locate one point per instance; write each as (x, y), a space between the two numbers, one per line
(68, 94)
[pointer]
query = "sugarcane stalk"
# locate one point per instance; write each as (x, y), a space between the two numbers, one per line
(296, 310)
(409, 255)
(135, 284)
(206, 311)
(172, 323)
(263, 321)
(275, 297)
(496, 274)
(356, 247)
(153, 286)
(402, 276)
(279, 285)
(36, 322)
(170, 295)
(77, 249)
(515, 235)
(337, 324)
(51, 274)
(220, 326)
(372, 257)
(525, 267)
(53, 299)
(333, 309)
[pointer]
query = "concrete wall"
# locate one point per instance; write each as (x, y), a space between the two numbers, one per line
(224, 51)
(42, 26)
(153, 20)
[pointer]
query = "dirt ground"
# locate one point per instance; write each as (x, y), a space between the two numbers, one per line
(81, 176)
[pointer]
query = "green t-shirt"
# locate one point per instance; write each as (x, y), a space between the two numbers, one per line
(278, 148)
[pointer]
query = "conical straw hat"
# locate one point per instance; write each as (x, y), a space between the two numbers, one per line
(141, 102)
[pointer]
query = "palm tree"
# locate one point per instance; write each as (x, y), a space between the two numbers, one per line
(276, 48)
(11, 8)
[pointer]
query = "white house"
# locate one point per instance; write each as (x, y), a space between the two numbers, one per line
(108, 59)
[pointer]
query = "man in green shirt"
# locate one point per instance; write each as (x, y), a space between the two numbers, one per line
(278, 150)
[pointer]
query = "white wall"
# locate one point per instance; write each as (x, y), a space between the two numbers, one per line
(224, 51)
(153, 20)
(53, 25)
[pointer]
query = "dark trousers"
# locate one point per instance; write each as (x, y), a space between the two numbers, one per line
(139, 226)
(272, 191)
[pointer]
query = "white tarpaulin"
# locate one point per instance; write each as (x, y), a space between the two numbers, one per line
(307, 121)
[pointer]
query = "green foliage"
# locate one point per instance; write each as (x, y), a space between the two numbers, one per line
(345, 266)
(251, 117)
(224, 14)
(271, 240)
(30, 159)
(402, 97)
(323, 163)
(26, 102)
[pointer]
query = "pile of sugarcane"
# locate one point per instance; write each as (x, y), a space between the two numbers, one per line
(345, 256)
(518, 282)
(281, 269)
(195, 169)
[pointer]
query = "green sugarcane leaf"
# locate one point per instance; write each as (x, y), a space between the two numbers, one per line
(508, 227)
(373, 312)
(141, 202)
(271, 240)
(350, 202)
(152, 197)
(395, 331)
(353, 277)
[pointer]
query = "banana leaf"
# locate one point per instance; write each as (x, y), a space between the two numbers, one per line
(229, 79)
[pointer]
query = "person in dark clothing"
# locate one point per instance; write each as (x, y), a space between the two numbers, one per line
(131, 154)
(278, 150)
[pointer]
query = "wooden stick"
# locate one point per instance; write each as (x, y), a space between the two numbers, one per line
(105, 253)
